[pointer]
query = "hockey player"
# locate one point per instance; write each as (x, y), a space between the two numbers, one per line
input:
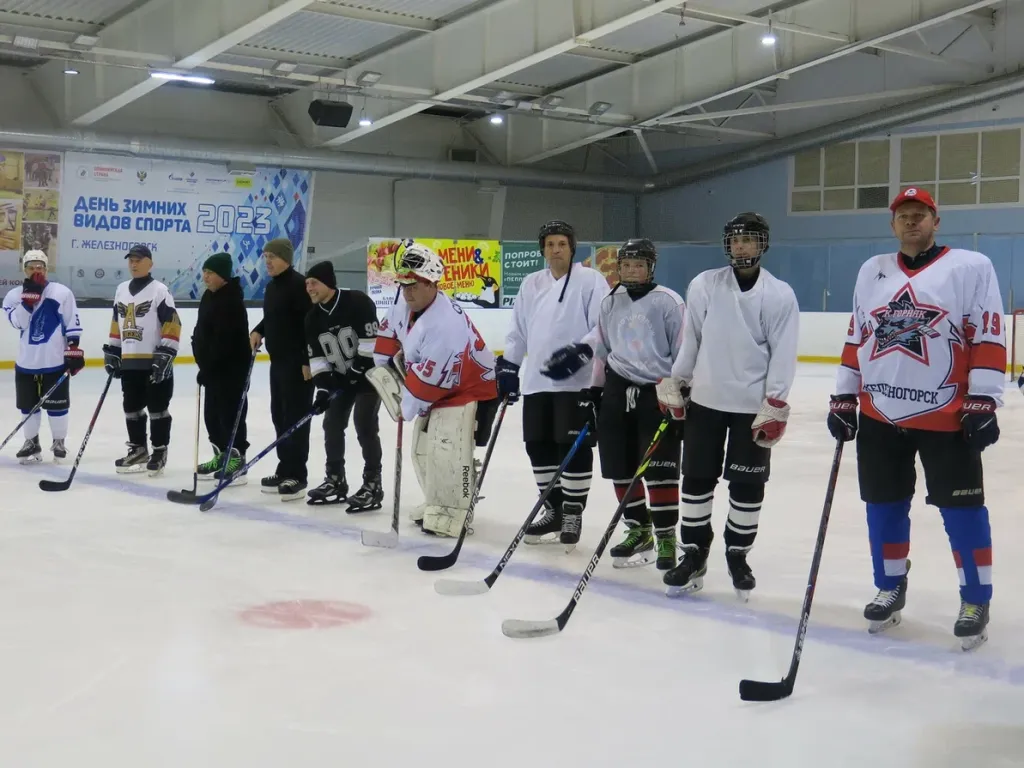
(449, 387)
(925, 358)
(555, 307)
(46, 317)
(730, 383)
(144, 335)
(637, 338)
(341, 331)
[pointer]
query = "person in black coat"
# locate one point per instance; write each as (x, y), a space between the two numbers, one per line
(285, 306)
(220, 345)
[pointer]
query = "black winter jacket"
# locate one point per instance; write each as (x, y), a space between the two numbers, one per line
(285, 306)
(220, 340)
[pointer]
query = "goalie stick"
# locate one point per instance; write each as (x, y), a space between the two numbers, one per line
(753, 690)
(460, 587)
(440, 562)
(63, 485)
(519, 628)
(389, 539)
(35, 409)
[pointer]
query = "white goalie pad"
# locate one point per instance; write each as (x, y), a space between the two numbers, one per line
(385, 380)
(450, 473)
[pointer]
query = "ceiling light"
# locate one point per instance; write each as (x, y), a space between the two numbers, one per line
(599, 108)
(70, 71)
(283, 67)
(497, 119)
(196, 79)
(551, 101)
(369, 77)
(365, 122)
(24, 41)
(768, 39)
(85, 41)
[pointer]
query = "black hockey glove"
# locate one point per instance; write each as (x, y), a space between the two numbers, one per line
(112, 360)
(567, 361)
(978, 419)
(74, 358)
(507, 375)
(357, 370)
(201, 378)
(162, 366)
(842, 417)
(590, 404)
(326, 384)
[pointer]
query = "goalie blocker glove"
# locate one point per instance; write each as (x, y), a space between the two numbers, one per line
(770, 423)
(567, 361)
(978, 419)
(842, 417)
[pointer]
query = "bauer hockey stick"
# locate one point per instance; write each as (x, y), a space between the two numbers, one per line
(63, 485)
(460, 587)
(752, 690)
(35, 409)
(520, 628)
(440, 562)
(389, 539)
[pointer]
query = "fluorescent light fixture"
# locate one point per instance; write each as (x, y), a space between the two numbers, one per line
(196, 79)
(497, 119)
(599, 108)
(85, 41)
(551, 101)
(365, 122)
(768, 39)
(283, 67)
(70, 71)
(24, 41)
(369, 77)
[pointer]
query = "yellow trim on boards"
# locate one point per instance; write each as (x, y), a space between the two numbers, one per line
(97, 362)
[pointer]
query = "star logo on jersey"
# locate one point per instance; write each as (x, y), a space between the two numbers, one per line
(905, 325)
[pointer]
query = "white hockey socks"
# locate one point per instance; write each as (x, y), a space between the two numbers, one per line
(58, 425)
(31, 428)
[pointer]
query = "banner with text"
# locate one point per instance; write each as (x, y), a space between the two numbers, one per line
(30, 185)
(472, 270)
(185, 213)
(521, 259)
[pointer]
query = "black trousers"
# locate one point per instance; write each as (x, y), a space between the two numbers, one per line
(223, 396)
(291, 398)
(365, 405)
(139, 395)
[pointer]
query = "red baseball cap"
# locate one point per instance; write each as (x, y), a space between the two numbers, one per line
(916, 194)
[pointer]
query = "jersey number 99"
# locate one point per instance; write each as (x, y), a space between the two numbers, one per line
(341, 349)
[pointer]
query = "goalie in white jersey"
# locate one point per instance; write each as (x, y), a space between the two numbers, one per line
(730, 383)
(46, 316)
(448, 392)
(925, 359)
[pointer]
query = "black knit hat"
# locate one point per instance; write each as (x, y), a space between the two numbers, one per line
(324, 272)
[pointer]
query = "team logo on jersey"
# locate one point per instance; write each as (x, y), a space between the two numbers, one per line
(905, 325)
(130, 314)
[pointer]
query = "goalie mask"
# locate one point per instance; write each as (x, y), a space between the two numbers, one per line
(637, 248)
(753, 231)
(417, 263)
(557, 228)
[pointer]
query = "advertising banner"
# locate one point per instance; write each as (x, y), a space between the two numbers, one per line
(605, 259)
(185, 212)
(522, 258)
(472, 270)
(30, 185)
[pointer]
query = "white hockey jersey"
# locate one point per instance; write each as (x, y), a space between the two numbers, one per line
(144, 318)
(446, 360)
(549, 314)
(46, 331)
(739, 347)
(922, 339)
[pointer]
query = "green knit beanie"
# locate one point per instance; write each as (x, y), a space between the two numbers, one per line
(282, 248)
(219, 263)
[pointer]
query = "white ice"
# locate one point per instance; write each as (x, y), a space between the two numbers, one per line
(126, 640)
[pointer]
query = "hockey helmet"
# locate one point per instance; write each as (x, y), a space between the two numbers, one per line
(638, 248)
(746, 224)
(414, 263)
(557, 227)
(34, 257)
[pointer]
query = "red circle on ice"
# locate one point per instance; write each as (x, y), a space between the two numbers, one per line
(304, 614)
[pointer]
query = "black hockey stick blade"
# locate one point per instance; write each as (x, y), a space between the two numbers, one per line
(753, 690)
(63, 485)
(184, 496)
(55, 485)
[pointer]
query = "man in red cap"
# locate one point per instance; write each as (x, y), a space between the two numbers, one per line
(925, 359)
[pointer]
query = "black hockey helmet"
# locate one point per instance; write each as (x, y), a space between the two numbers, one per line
(638, 248)
(753, 225)
(557, 227)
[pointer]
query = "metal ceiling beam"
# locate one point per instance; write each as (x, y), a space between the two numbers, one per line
(377, 17)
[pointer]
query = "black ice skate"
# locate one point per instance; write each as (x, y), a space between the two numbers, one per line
(235, 469)
(885, 610)
(270, 484)
(547, 530)
(688, 576)
(743, 580)
(971, 625)
(572, 524)
(208, 469)
(667, 545)
(368, 498)
(291, 489)
(636, 550)
(134, 461)
(333, 490)
(58, 449)
(31, 451)
(157, 461)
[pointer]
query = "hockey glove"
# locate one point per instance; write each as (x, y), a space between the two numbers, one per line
(162, 366)
(112, 360)
(590, 404)
(201, 378)
(1020, 383)
(357, 370)
(74, 358)
(326, 384)
(31, 293)
(507, 375)
(842, 417)
(567, 361)
(770, 423)
(673, 397)
(978, 419)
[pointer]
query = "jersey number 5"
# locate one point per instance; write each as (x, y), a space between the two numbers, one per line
(340, 349)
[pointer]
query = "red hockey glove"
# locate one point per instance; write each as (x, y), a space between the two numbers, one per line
(74, 359)
(978, 420)
(770, 423)
(673, 398)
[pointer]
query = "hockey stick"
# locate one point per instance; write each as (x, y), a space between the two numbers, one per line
(752, 690)
(440, 562)
(520, 628)
(389, 539)
(195, 448)
(63, 485)
(35, 409)
(460, 587)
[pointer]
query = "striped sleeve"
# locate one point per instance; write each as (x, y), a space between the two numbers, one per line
(848, 379)
(986, 336)
(170, 323)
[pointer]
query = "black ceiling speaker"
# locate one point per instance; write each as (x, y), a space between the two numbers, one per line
(333, 114)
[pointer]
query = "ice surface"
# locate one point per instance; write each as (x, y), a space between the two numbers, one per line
(131, 635)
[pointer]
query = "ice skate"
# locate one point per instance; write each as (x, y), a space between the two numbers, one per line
(31, 452)
(157, 461)
(291, 489)
(234, 470)
(208, 469)
(971, 625)
(743, 580)
(688, 576)
(134, 461)
(270, 483)
(885, 610)
(58, 449)
(333, 490)
(637, 549)
(572, 524)
(667, 546)
(547, 530)
(369, 497)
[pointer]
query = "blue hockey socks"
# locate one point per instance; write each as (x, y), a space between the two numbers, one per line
(889, 534)
(970, 538)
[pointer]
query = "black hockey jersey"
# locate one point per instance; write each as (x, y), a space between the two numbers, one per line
(340, 334)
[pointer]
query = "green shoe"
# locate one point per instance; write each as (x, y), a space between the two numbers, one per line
(207, 469)
(666, 549)
(636, 549)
